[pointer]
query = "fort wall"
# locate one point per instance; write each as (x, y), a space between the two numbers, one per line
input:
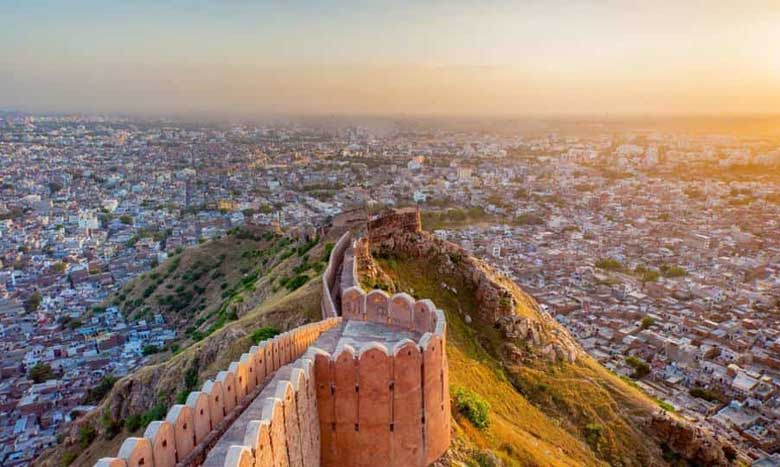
(370, 406)
(189, 430)
(329, 277)
(380, 406)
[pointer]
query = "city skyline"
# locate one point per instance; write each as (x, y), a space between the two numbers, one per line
(417, 59)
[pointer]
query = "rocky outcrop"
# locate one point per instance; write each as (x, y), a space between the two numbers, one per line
(529, 333)
(500, 303)
(691, 443)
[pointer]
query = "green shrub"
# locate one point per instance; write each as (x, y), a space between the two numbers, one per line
(666, 406)
(264, 333)
(473, 407)
(651, 275)
(296, 282)
(609, 264)
(68, 457)
(326, 251)
(641, 368)
(157, 412)
(97, 393)
(87, 434)
(41, 372)
(133, 422)
(112, 427)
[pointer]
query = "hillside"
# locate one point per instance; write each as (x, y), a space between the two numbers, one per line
(546, 408)
(549, 403)
(201, 288)
(272, 282)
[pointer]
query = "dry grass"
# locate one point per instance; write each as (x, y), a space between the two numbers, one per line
(541, 414)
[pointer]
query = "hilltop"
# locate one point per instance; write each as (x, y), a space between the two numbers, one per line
(550, 403)
(272, 285)
(523, 391)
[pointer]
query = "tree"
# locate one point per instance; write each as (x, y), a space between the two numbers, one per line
(33, 302)
(641, 368)
(126, 219)
(647, 321)
(41, 372)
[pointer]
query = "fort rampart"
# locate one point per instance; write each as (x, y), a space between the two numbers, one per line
(190, 429)
(365, 406)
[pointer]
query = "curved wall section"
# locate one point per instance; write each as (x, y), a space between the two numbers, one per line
(330, 276)
(191, 429)
(380, 406)
(368, 406)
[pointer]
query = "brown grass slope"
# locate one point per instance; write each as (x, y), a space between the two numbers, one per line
(542, 413)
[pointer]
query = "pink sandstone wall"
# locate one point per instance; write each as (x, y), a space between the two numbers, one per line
(385, 407)
(288, 432)
(174, 440)
(329, 276)
(367, 407)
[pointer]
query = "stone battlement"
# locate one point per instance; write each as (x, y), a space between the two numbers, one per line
(367, 385)
(191, 429)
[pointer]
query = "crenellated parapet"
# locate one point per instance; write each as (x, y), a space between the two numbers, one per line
(372, 403)
(367, 385)
(385, 406)
(189, 430)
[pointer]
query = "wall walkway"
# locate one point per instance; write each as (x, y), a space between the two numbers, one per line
(366, 386)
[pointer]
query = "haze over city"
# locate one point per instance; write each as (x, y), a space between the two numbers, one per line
(389, 233)
(457, 58)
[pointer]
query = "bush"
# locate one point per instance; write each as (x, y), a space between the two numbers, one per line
(609, 264)
(473, 407)
(651, 275)
(155, 413)
(484, 458)
(96, 394)
(641, 368)
(673, 271)
(68, 457)
(296, 282)
(112, 427)
(666, 406)
(133, 422)
(40, 373)
(264, 333)
(87, 434)
(33, 302)
(326, 251)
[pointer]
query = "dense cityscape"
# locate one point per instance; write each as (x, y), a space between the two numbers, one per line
(658, 251)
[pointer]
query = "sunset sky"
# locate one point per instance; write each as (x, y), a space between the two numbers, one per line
(550, 57)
